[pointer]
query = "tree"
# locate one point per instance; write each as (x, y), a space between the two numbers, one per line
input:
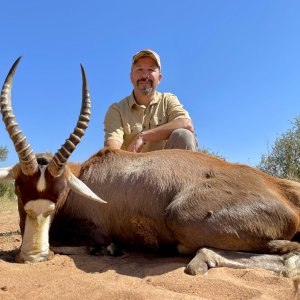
(6, 188)
(284, 159)
(3, 153)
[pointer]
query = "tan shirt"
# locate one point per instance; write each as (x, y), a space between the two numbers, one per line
(125, 119)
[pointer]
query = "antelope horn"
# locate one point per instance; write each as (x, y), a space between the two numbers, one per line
(60, 158)
(27, 159)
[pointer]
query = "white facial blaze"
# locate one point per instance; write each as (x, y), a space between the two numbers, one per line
(35, 243)
(41, 185)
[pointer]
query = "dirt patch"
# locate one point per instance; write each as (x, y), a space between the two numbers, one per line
(135, 276)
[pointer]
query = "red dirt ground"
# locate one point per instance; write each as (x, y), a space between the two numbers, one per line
(136, 276)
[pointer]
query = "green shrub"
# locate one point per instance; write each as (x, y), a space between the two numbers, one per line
(284, 158)
(212, 153)
(7, 190)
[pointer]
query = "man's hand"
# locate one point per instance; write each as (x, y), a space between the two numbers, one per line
(137, 144)
(159, 133)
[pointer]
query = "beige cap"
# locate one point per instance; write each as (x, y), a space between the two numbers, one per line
(147, 52)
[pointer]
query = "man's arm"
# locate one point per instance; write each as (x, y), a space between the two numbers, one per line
(113, 128)
(159, 133)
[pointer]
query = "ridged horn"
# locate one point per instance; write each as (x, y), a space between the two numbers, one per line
(60, 158)
(29, 165)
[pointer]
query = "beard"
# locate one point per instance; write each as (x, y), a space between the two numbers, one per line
(145, 89)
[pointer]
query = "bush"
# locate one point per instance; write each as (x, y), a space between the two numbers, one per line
(7, 190)
(212, 153)
(284, 159)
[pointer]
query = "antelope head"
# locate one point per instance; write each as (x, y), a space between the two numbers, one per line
(41, 181)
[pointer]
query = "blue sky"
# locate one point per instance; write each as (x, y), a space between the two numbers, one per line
(234, 65)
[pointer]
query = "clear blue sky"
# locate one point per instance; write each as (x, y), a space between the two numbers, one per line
(235, 66)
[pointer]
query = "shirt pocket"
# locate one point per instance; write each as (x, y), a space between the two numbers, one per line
(132, 129)
(157, 121)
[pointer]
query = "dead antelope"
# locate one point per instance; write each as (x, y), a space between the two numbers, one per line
(221, 213)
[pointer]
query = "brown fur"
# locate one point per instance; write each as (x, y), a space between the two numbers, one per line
(178, 194)
(174, 198)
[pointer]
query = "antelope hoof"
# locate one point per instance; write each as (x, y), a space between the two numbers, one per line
(196, 267)
(24, 259)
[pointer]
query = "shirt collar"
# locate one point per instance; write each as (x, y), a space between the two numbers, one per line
(132, 102)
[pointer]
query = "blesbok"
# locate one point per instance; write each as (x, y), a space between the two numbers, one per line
(222, 213)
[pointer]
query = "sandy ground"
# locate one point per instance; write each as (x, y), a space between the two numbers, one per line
(136, 276)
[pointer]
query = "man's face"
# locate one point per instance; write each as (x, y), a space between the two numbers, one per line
(145, 76)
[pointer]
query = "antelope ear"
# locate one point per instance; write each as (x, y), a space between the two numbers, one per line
(77, 186)
(7, 173)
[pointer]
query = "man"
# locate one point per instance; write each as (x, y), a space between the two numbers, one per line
(148, 120)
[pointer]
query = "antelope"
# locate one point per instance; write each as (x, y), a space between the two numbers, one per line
(191, 203)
